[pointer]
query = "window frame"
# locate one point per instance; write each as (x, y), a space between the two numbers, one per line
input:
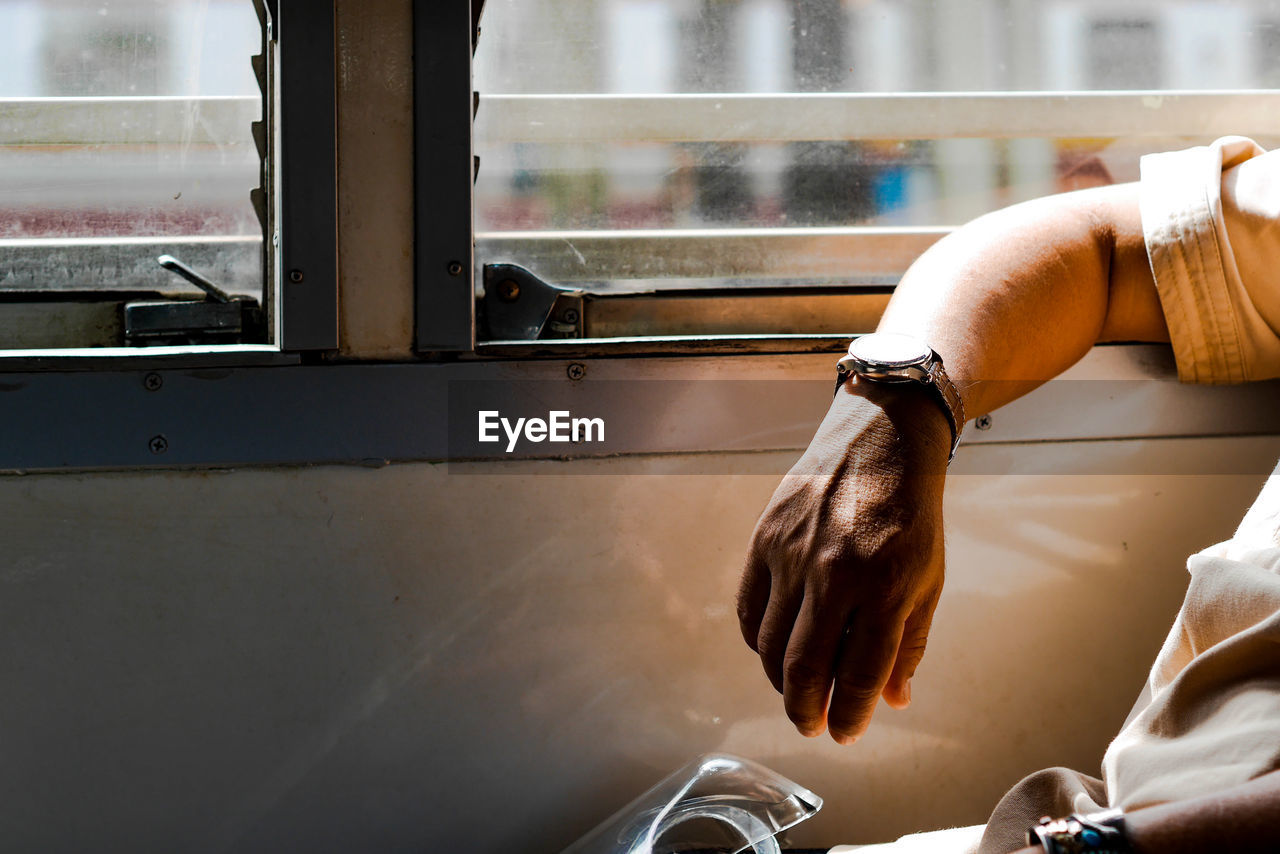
(845, 260)
(775, 118)
(445, 37)
(299, 131)
(262, 407)
(306, 161)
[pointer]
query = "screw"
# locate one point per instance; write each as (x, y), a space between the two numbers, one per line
(455, 268)
(982, 422)
(158, 444)
(296, 276)
(577, 371)
(152, 382)
(570, 315)
(509, 290)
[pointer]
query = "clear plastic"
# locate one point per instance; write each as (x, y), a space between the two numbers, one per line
(716, 803)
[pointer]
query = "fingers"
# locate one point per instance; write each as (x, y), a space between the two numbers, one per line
(753, 598)
(809, 664)
(775, 634)
(862, 671)
(915, 634)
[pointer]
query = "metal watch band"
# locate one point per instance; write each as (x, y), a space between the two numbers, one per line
(935, 377)
(954, 403)
(1102, 833)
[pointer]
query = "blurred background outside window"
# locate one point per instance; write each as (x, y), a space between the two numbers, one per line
(125, 132)
(125, 124)
(627, 47)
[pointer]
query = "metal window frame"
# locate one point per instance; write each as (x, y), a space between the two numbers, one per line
(186, 416)
(123, 120)
(875, 255)
(306, 274)
(180, 414)
(815, 117)
(444, 36)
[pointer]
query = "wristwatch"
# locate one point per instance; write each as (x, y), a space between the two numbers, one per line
(1098, 833)
(887, 357)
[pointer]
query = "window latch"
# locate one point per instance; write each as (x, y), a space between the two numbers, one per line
(219, 318)
(518, 306)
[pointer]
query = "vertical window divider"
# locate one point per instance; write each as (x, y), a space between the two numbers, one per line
(307, 273)
(444, 175)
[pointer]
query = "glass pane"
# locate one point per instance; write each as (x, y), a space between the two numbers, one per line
(161, 156)
(558, 46)
(625, 48)
(925, 183)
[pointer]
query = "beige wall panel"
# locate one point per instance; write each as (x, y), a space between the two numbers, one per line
(418, 658)
(375, 178)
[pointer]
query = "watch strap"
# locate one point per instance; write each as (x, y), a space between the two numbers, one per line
(935, 377)
(1099, 833)
(953, 403)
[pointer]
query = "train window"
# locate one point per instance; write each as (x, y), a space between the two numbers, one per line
(687, 167)
(126, 135)
(138, 182)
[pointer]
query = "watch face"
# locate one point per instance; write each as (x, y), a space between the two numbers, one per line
(890, 349)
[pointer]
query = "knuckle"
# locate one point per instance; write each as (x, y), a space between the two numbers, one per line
(913, 648)
(804, 674)
(767, 647)
(840, 555)
(857, 690)
(880, 577)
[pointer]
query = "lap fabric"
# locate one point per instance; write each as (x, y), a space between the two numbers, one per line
(1212, 719)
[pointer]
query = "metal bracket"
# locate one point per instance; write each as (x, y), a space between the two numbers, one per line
(218, 319)
(518, 306)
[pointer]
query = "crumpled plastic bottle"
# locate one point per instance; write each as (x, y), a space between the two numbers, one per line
(716, 803)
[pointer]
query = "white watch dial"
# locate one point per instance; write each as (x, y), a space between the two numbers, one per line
(890, 349)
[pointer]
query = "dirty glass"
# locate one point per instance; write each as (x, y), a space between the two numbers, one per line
(125, 134)
(619, 50)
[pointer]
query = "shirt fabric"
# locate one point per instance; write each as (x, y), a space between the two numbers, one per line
(1209, 717)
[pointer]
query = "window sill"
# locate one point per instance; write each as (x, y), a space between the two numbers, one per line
(144, 358)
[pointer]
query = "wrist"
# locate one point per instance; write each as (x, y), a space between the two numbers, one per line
(901, 420)
(1098, 833)
(897, 360)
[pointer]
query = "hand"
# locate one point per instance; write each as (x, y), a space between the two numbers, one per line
(845, 565)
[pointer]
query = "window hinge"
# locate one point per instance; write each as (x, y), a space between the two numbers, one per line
(518, 306)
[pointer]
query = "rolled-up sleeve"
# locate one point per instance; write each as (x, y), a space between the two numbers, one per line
(1211, 219)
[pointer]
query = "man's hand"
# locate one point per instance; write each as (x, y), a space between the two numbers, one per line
(845, 566)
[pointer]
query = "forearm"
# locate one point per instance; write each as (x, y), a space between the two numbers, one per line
(846, 563)
(1014, 298)
(1241, 820)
